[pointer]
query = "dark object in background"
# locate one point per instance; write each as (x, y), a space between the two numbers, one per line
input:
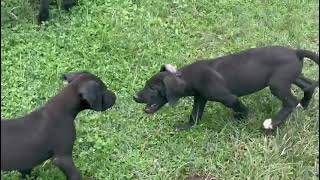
(44, 8)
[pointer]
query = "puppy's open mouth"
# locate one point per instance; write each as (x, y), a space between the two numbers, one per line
(151, 108)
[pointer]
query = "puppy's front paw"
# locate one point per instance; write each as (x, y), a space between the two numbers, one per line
(183, 127)
(267, 124)
(268, 127)
(43, 16)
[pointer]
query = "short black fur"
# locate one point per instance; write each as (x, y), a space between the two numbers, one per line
(227, 78)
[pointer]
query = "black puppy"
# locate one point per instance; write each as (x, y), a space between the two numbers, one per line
(226, 78)
(44, 8)
(49, 132)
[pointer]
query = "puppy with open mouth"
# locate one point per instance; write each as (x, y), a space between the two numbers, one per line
(227, 78)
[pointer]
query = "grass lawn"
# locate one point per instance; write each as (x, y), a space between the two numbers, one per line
(125, 42)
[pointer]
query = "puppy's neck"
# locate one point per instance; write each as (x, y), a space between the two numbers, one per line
(67, 103)
(188, 91)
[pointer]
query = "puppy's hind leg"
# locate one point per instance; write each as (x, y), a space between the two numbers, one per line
(66, 165)
(68, 4)
(308, 86)
(281, 89)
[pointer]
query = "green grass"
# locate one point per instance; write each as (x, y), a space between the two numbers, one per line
(125, 42)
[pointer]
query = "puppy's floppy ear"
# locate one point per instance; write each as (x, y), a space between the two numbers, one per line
(169, 67)
(73, 75)
(92, 93)
(175, 88)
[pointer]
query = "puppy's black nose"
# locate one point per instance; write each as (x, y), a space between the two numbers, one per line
(64, 77)
(113, 98)
(139, 98)
(136, 98)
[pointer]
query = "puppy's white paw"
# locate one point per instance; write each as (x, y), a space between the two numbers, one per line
(267, 124)
(299, 106)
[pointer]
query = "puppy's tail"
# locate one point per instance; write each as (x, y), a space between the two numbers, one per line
(311, 55)
(308, 54)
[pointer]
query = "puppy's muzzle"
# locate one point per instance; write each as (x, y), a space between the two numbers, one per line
(138, 99)
(111, 99)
